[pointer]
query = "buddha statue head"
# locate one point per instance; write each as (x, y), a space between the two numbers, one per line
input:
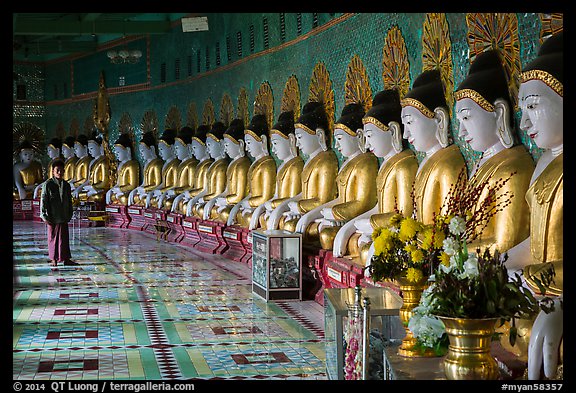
(54, 148)
(483, 105)
(199, 142)
(123, 147)
(68, 147)
(282, 137)
(26, 152)
(383, 125)
(182, 141)
(348, 130)
(425, 114)
(214, 140)
(256, 137)
(234, 139)
(541, 95)
(311, 129)
(166, 144)
(95, 145)
(81, 146)
(147, 146)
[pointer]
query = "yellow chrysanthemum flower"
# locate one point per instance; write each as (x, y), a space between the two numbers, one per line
(444, 259)
(439, 239)
(417, 255)
(408, 228)
(396, 219)
(410, 247)
(427, 238)
(376, 233)
(383, 242)
(414, 275)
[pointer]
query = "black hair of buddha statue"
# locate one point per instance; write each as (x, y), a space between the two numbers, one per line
(201, 132)
(168, 136)
(25, 144)
(148, 139)
(82, 139)
(428, 89)
(186, 133)
(351, 116)
(124, 140)
(56, 142)
(285, 123)
(386, 107)
(218, 129)
(314, 116)
(69, 141)
(258, 125)
(550, 57)
(236, 129)
(96, 137)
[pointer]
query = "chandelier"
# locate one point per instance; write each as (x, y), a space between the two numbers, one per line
(124, 56)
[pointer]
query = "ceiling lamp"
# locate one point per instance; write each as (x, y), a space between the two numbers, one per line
(124, 56)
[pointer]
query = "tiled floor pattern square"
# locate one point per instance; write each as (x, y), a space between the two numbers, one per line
(138, 308)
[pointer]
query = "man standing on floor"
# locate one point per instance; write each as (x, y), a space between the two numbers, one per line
(56, 212)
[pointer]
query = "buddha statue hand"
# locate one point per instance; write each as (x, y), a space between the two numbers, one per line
(294, 209)
(364, 227)
(109, 197)
(268, 206)
(545, 339)
(176, 202)
(369, 260)
(328, 214)
(170, 192)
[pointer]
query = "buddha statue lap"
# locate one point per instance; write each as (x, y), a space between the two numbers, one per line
(82, 165)
(70, 159)
(127, 174)
(27, 172)
(98, 182)
(53, 150)
(169, 168)
(151, 173)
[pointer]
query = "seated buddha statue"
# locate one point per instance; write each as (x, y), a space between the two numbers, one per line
(216, 179)
(356, 180)
(200, 152)
(54, 150)
(426, 121)
(484, 110)
(236, 174)
(70, 158)
(151, 173)
(186, 169)
(541, 101)
(319, 172)
(82, 171)
(288, 174)
(169, 169)
(127, 173)
(27, 172)
(99, 176)
(383, 131)
(261, 177)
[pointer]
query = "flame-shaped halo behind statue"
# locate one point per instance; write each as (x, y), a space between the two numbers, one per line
(87, 129)
(208, 115)
(395, 64)
(497, 31)
(243, 111)
(226, 110)
(61, 130)
(149, 123)
(291, 97)
(357, 87)
(437, 52)
(551, 24)
(75, 127)
(192, 116)
(264, 103)
(125, 126)
(173, 119)
(320, 90)
(27, 132)
(101, 116)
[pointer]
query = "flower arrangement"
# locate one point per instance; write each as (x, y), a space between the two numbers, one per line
(353, 340)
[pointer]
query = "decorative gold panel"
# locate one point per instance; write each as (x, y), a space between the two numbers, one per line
(125, 124)
(291, 97)
(150, 123)
(173, 119)
(321, 91)
(226, 110)
(242, 111)
(87, 130)
(75, 127)
(357, 87)
(192, 116)
(551, 24)
(28, 132)
(208, 116)
(437, 52)
(264, 103)
(395, 64)
(60, 130)
(498, 31)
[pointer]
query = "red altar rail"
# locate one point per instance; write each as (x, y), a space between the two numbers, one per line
(191, 236)
(235, 237)
(117, 216)
(211, 237)
(36, 210)
(136, 216)
(22, 209)
(174, 222)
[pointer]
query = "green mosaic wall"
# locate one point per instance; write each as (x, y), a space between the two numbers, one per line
(208, 70)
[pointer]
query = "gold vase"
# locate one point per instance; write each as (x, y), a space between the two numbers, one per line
(469, 354)
(411, 294)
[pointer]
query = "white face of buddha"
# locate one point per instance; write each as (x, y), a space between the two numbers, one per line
(345, 143)
(122, 153)
(182, 151)
(253, 147)
(166, 151)
(306, 142)
(280, 146)
(378, 141)
(214, 147)
(26, 155)
(198, 150)
(478, 127)
(52, 152)
(79, 149)
(94, 149)
(67, 152)
(542, 114)
(231, 148)
(419, 130)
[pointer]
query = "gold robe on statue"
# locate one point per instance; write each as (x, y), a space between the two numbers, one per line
(170, 178)
(356, 183)
(197, 186)
(237, 184)
(82, 170)
(152, 179)
(70, 168)
(99, 179)
(186, 175)
(127, 180)
(31, 176)
(215, 183)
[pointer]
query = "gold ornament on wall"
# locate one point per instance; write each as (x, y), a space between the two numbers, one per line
(28, 132)
(101, 116)
(437, 52)
(226, 110)
(551, 24)
(357, 87)
(192, 116)
(125, 124)
(499, 31)
(243, 111)
(291, 97)
(264, 103)
(173, 119)
(208, 116)
(395, 65)
(320, 90)
(86, 130)
(61, 131)
(149, 123)
(75, 127)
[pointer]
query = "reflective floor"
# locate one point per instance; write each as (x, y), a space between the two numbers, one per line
(138, 308)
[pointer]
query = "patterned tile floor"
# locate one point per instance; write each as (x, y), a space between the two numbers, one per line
(138, 308)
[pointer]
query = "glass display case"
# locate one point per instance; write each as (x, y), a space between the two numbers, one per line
(277, 265)
(385, 307)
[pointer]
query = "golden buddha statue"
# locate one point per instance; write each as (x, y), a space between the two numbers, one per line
(200, 152)
(318, 175)
(152, 172)
(82, 171)
(289, 173)
(382, 128)
(236, 174)
(186, 170)
(261, 174)
(27, 172)
(98, 178)
(169, 169)
(70, 158)
(215, 183)
(128, 172)
(356, 180)
(54, 150)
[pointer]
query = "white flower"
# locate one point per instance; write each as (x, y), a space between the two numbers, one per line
(450, 245)
(426, 328)
(394, 229)
(457, 225)
(470, 267)
(446, 269)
